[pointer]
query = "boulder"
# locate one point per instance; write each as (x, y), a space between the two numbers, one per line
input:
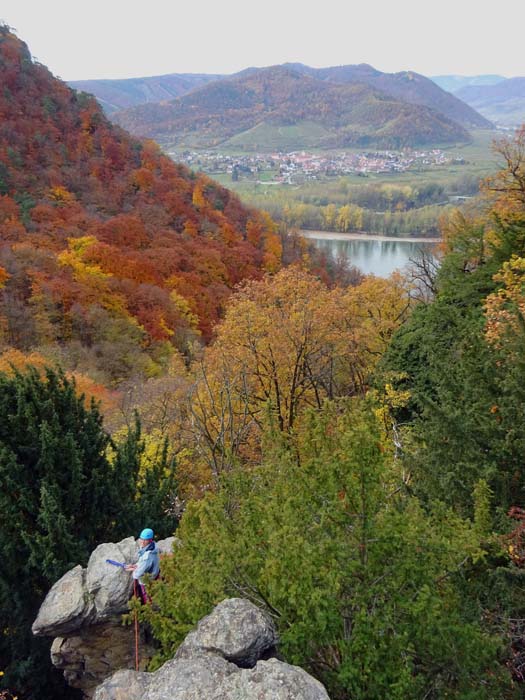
(273, 680)
(236, 629)
(124, 685)
(194, 678)
(166, 546)
(208, 664)
(83, 610)
(110, 587)
(97, 651)
(66, 606)
(89, 596)
(210, 677)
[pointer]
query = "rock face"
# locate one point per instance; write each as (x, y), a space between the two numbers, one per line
(220, 660)
(109, 587)
(66, 606)
(237, 630)
(93, 653)
(83, 611)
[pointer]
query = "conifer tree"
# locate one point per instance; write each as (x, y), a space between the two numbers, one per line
(360, 580)
(60, 496)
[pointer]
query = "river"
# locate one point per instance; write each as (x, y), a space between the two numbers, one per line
(378, 255)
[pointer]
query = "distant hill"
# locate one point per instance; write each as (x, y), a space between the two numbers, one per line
(281, 107)
(503, 103)
(453, 83)
(407, 86)
(114, 95)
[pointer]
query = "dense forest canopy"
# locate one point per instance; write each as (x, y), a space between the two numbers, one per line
(104, 240)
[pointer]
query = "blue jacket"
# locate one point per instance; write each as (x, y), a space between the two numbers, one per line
(148, 562)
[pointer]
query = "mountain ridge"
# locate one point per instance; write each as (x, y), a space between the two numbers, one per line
(452, 83)
(408, 86)
(502, 102)
(116, 94)
(345, 114)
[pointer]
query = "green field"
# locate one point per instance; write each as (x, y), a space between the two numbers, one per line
(268, 138)
(394, 203)
(478, 156)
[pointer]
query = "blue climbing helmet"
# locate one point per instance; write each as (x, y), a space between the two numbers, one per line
(146, 534)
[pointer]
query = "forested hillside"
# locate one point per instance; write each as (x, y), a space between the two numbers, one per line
(119, 94)
(114, 263)
(273, 107)
(406, 85)
(109, 250)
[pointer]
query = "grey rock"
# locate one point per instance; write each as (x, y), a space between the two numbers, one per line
(123, 685)
(129, 548)
(201, 669)
(196, 678)
(206, 676)
(88, 596)
(84, 611)
(237, 630)
(110, 587)
(95, 652)
(272, 680)
(65, 607)
(166, 546)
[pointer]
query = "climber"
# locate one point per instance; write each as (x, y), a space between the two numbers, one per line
(148, 563)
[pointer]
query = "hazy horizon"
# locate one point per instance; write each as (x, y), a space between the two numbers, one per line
(120, 39)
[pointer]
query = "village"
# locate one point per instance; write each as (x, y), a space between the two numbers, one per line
(299, 166)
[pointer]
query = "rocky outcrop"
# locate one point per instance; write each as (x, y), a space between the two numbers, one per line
(211, 664)
(92, 595)
(236, 630)
(66, 606)
(83, 610)
(230, 655)
(95, 652)
(87, 596)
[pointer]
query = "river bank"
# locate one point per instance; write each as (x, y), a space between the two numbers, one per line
(357, 236)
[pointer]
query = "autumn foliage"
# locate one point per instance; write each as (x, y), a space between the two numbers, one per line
(104, 237)
(288, 343)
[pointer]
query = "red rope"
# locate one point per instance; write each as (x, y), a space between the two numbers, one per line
(136, 628)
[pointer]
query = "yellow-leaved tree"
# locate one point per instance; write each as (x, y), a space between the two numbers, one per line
(287, 343)
(505, 308)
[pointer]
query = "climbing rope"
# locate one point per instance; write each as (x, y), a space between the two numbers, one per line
(136, 628)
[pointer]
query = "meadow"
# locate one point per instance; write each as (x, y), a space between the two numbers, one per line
(407, 202)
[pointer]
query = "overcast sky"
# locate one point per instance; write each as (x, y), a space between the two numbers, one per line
(127, 38)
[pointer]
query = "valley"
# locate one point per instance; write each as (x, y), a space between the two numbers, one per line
(210, 338)
(393, 193)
